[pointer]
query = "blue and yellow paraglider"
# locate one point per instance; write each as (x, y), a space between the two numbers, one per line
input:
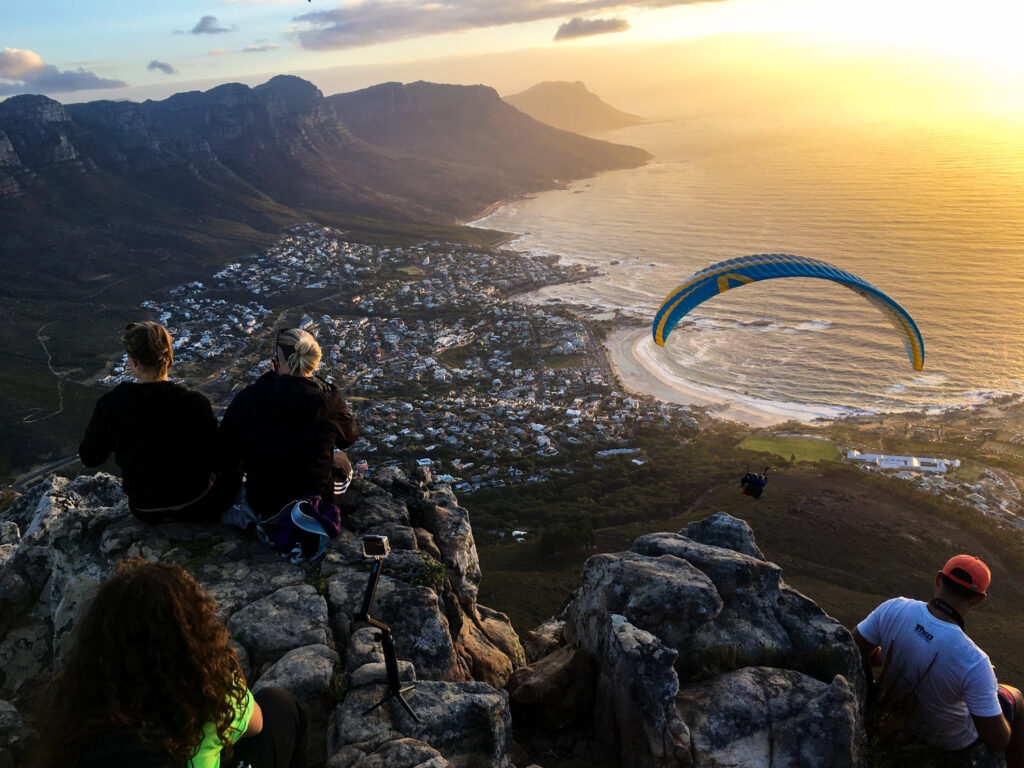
(721, 277)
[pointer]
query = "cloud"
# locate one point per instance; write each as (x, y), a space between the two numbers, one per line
(217, 52)
(259, 48)
(33, 75)
(382, 21)
(580, 27)
(16, 64)
(167, 69)
(208, 26)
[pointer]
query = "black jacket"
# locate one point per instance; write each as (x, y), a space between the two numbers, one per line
(163, 437)
(281, 430)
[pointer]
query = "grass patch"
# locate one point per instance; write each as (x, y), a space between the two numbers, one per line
(558, 362)
(414, 272)
(803, 448)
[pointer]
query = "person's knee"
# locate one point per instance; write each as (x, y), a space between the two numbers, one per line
(278, 704)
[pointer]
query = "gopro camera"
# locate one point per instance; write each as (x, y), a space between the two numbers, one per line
(375, 546)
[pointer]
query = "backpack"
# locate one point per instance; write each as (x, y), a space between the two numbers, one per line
(301, 530)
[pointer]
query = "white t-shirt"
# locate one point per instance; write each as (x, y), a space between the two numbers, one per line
(954, 677)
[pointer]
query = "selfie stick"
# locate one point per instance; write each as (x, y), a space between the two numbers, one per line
(387, 643)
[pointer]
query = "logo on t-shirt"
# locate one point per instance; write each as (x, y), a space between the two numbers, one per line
(923, 633)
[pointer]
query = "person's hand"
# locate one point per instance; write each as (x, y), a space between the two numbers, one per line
(341, 463)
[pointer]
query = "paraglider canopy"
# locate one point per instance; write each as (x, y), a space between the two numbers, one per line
(734, 273)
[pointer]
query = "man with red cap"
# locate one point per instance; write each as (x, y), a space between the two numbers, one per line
(958, 701)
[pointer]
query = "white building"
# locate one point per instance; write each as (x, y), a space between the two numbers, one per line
(911, 463)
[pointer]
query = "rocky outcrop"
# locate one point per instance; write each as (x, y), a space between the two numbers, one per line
(688, 651)
(291, 625)
(700, 656)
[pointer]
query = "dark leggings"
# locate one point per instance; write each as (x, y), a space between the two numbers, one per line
(281, 743)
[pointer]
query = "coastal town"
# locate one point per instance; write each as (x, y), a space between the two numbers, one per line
(439, 362)
(447, 365)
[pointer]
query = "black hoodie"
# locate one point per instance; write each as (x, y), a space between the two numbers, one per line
(163, 437)
(282, 430)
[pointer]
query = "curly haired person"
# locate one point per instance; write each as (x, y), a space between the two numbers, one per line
(151, 681)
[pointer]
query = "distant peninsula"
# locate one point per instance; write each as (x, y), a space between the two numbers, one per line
(571, 107)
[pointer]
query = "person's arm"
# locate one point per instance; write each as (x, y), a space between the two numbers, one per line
(255, 721)
(97, 444)
(870, 653)
(343, 421)
(981, 697)
(994, 731)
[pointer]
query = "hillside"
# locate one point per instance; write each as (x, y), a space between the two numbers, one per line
(846, 538)
(571, 107)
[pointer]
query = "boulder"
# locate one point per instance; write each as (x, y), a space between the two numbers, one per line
(308, 674)
(468, 723)
(400, 753)
(725, 531)
(767, 716)
(682, 633)
(555, 692)
(289, 618)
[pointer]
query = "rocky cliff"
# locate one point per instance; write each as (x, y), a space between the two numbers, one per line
(687, 651)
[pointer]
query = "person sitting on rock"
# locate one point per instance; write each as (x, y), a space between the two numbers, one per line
(752, 484)
(286, 431)
(957, 699)
(163, 437)
(151, 681)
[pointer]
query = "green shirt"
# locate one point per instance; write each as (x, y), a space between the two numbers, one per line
(208, 755)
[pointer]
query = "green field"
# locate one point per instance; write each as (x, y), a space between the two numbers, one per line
(803, 448)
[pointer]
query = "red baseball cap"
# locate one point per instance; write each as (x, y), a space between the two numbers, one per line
(968, 571)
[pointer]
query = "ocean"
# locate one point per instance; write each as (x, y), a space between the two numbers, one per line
(933, 216)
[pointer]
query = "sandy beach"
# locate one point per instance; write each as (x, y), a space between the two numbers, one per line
(630, 354)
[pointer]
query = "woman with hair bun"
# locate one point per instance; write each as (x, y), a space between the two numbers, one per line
(287, 429)
(152, 682)
(163, 437)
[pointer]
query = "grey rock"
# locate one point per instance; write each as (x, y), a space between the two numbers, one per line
(12, 726)
(26, 659)
(363, 648)
(637, 686)
(308, 674)
(663, 595)
(762, 622)
(425, 543)
(399, 753)
(555, 692)
(237, 584)
(414, 614)
(376, 672)
(453, 536)
(468, 723)
(73, 584)
(289, 618)
(724, 530)
(543, 640)
(766, 716)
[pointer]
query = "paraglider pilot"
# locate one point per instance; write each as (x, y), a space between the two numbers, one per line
(753, 484)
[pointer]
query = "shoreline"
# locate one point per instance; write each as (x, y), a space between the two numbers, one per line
(621, 351)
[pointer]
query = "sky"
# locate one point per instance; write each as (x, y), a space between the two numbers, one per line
(120, 49)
